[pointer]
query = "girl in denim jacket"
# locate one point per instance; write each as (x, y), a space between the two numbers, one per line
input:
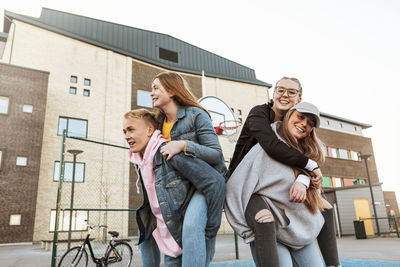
(188, 126)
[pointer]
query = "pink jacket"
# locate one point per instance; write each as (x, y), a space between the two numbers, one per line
(166, 243)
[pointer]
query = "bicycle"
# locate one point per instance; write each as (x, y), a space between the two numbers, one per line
(118, 253)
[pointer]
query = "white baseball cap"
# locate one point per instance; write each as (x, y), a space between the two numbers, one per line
(306, 107)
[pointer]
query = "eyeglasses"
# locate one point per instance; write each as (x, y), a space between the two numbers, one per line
(290, 92)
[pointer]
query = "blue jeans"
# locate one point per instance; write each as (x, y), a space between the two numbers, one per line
(209, 182)
(307, 256)
(197, 249)
(151, 255)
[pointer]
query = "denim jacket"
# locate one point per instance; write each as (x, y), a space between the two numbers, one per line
(194, 125)
(173, 194)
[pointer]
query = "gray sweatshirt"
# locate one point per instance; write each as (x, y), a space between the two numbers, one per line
(258, 173)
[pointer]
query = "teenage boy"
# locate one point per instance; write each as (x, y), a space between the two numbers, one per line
(167, 189)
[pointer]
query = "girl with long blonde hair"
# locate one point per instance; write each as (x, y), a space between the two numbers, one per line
(260, 176)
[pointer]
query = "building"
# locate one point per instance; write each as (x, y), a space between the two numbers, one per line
(345, 180)
(392, 208)
(92, 72)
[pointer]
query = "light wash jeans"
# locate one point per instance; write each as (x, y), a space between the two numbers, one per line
(197, 250)
(151, 255)
(307, 256)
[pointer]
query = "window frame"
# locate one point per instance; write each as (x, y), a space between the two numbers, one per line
(87, 79)
(141, 92)
(19, 220)
(27, 105)
(70, 118)
(76, 79)
(168, 55)
(8, 105)
(21, 157)
(56, 179)
(73, 87)
(61, 227)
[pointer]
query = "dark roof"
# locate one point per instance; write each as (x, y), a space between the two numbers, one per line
(363, 125)
(140, 44)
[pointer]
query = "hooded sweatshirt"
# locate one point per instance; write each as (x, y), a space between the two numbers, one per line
(165, 242)
(258, 173)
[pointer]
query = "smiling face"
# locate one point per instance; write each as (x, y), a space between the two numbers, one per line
(300, 124)
(137, 134)
(161, 98)
(282, 102)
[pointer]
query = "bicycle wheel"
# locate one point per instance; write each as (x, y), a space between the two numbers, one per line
(121, 255)
(74, 257)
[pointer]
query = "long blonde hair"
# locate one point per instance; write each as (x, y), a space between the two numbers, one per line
(310, 146)
(177, 86)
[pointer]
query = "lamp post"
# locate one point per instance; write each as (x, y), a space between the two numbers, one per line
(74, 152)
(365, 158)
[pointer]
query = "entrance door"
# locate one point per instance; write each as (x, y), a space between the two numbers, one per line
(363, 210)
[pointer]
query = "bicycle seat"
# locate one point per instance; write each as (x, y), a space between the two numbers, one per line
(113, 233)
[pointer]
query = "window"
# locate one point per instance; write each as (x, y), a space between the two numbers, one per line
(233, 110)
(79, 171)
(86, 92)
(144, 99)
(239, 112)
(87, 82)
(27, 108)
(22, 161)
(354, 155)
(15, 219)
(240, 119)
(74, 127)
(341, 125)
(72, 90)
(337, 182)
(332, 152)
(343, 154)
(74, 79)
(348, 182)
(326, 182)
(168, 55)
(4, 105)
(78, 220)
(327, 122)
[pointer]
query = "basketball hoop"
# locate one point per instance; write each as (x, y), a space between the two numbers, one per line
(227, 127)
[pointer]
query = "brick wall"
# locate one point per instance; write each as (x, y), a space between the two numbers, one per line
(21, 134)
(348, 168)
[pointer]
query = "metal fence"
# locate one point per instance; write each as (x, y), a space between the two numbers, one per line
(383, 226)
(93, 183)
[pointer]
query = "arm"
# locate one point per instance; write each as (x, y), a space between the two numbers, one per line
(208, 147)
(258, 124)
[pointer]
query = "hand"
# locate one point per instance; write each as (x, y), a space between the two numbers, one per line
(172, 148)
(297, 192)
(316, 178)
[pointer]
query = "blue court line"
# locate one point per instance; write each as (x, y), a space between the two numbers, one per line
(344, 262)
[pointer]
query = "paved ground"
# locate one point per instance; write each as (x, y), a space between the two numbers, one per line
(384, 252)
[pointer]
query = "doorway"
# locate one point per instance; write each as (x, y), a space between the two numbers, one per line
(363, 210)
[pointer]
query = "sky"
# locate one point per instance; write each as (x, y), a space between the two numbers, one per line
(346, 53)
